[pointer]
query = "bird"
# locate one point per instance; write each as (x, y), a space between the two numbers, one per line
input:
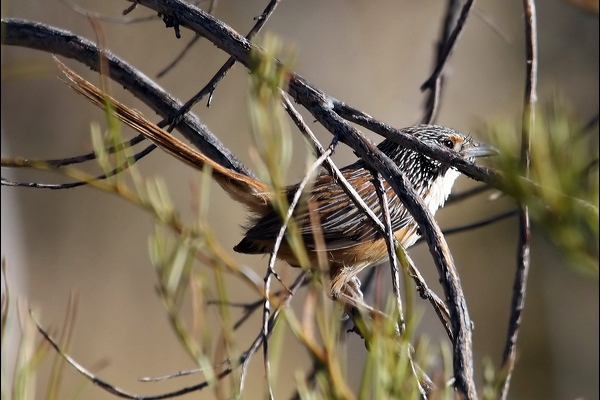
(350, 241)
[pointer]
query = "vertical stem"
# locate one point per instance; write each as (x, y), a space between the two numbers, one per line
(523, 255)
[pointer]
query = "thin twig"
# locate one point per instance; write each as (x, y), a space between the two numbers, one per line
(468, 193)
(426, 293)
(250, 307)
(491, 23)
(271, 266)
(523, 251)
(179, 57)
(119, 20)
(210, 87)
(61, 162)
(188, 46)
(427, 385)
(70, 185)
(391, 248)
(178, 374)
(449, 45)
(435, 90)
(260, 339)
(477, 224)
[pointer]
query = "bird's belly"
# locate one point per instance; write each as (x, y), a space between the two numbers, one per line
(346, 263)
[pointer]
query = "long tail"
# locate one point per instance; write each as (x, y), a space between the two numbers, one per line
(240, 187)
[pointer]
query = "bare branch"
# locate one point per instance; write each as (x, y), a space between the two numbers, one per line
(58, 163)
(210, 87)
(41, 37)
(456, 197)
(391, 244)
(435, 90)
(449, 46)
(271, 267)
(477, 224)
(186, 49)
(523, 261)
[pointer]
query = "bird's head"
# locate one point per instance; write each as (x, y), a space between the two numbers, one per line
(432, 179)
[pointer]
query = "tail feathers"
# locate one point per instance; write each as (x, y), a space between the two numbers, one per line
(240, 187)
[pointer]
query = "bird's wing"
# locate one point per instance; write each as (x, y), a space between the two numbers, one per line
(342, 224)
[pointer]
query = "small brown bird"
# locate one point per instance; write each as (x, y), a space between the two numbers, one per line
(351, 242)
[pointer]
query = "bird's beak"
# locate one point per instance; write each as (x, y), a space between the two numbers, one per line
(478, 149)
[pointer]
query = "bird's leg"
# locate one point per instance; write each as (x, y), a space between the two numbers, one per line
(352, 298)
(352, 289)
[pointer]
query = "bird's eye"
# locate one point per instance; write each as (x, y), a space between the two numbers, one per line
(448, 143)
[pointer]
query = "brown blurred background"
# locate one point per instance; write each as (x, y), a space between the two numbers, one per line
(372, 55)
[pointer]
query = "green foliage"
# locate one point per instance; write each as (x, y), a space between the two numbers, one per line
(393, 367)
(564, 167)
(270, 129)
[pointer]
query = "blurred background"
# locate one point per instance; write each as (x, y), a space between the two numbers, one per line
(372, 55)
